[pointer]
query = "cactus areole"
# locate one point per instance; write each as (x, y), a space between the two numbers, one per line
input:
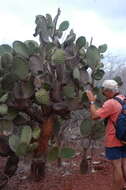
(43, 82)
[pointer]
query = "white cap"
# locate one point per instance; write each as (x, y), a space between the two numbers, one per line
(110, 84)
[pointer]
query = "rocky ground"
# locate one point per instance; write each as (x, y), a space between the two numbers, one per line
(67, 177)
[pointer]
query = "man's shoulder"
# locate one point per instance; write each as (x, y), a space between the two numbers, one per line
(121, 96)
(109, 101)
(113, 100)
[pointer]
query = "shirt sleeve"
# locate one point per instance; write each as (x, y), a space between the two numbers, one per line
(106, 110)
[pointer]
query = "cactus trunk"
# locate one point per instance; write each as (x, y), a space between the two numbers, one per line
(38, 165)
(46, 133)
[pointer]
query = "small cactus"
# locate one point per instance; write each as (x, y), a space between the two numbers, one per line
(21, 49)
(26, 135)
(69, 91)
(4, 98)
(6, 60)
(98, 74)
(81, 42)
(3, 109)
(76, 73)
(64, 26)
(102, 48)
(13, 142)
(42, 96)
(20, 67)
(58, 56)
(5, 49)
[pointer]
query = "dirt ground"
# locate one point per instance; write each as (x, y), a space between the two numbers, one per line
(67, 177)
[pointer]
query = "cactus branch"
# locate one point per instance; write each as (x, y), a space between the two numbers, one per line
(55, 22)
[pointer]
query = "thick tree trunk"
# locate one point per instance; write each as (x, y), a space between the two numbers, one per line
(46, 133)
(37, 169)
(12, 160)
(11, 165)
(40, 154)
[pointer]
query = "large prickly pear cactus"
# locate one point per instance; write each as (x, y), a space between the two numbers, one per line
(44, 82)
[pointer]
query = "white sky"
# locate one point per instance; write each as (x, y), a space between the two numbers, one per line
(104, 20)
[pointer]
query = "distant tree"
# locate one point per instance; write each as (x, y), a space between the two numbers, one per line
(115, 67)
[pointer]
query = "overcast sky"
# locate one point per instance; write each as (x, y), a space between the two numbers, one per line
(104, 20)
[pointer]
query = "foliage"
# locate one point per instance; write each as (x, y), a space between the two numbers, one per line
(39, 80)
(22, 145)
(118, 80)
(56, 153)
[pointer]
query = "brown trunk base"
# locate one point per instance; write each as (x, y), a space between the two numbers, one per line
(37, 170)
(3, 180)
(11, 166)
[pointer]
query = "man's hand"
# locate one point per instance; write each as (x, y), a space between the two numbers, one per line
(91, 96)
(93, 109)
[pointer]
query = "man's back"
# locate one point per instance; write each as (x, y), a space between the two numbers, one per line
(111, 109)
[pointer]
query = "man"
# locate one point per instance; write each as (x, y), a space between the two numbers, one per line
(114, 149)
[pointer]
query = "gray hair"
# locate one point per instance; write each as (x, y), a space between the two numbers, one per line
(110, 85)
(113, 90)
